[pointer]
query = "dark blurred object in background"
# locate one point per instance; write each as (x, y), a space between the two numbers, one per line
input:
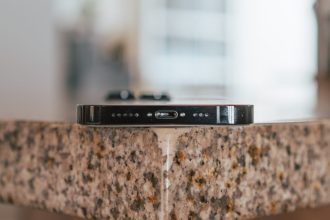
(155, 96)
(127, 95)
(123, 95)
(322, 9)
(97, 41)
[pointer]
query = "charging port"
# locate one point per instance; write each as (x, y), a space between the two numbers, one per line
(166, 114)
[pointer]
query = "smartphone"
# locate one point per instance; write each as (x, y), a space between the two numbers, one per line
(164, 114)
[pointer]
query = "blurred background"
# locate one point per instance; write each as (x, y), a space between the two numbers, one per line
(274, 54)
(55, 54)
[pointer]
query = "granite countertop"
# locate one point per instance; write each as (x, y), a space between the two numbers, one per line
(225, 172)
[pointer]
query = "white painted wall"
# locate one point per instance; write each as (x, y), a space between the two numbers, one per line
(274, 57)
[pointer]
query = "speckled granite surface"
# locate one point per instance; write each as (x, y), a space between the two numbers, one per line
(230, 172)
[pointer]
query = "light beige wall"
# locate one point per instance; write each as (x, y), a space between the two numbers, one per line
(28, 76)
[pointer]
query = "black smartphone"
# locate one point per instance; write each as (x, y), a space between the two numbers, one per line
(164, 114)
